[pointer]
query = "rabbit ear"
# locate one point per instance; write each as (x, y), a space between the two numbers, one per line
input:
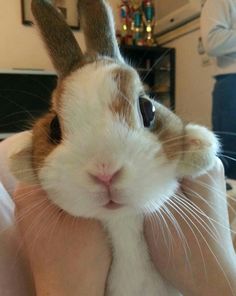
(98, 26)
(62, 46)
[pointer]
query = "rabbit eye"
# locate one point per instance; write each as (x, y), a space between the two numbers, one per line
(147, 110)
(55, 131)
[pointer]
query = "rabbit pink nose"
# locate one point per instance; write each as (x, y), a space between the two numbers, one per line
(105, 178)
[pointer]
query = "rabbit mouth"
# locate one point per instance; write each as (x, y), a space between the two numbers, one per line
(112, 205)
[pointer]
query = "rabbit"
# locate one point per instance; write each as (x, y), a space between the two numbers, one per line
(105, 150)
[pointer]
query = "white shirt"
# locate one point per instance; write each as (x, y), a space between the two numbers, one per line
(15, 279)
(6, 210)
(218, 30)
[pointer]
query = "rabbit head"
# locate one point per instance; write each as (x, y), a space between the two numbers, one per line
(105, 148)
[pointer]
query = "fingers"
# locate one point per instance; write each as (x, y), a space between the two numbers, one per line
(32, 207)
(210, 186)
(202, 218)
(53, 239)
(200, 197)
(25, 194)
(208, 198)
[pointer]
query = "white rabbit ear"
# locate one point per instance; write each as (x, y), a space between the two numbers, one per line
(99, 30)
(62, 46)
(20, 158)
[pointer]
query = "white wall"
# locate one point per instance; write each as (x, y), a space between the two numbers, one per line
(194, 81)
(20, 46)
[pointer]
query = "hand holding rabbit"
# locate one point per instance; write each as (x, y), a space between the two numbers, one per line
(60, 238)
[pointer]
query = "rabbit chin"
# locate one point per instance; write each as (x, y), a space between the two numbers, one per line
(89, 207)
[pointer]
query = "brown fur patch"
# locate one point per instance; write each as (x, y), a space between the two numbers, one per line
(96, 21)
(124, 101)
(42, 146)
(170, 131)
(61, 44)
(56, 96)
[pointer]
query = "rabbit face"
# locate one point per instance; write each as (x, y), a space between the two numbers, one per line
(107, 162)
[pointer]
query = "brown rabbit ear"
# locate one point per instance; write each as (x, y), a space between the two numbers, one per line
(62, 46)
(98, 26)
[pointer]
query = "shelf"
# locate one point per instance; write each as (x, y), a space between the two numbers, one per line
(150, 49)
(156, 66)
(154, 93)
(143, 69)
(163, 69)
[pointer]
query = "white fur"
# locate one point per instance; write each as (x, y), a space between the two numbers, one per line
(94, 136)
(131, 264)
(200, 156)
(22, 141)
(132, 272)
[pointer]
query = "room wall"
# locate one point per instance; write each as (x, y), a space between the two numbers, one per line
(194, 81)
(20, 46)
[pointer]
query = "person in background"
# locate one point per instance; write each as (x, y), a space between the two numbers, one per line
(218, 31)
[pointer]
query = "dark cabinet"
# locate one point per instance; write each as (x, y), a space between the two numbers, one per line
(156, 66)
(24, 96)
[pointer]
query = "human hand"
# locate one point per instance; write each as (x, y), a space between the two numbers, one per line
(194, 252)
(68, 256)
(52, 249)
